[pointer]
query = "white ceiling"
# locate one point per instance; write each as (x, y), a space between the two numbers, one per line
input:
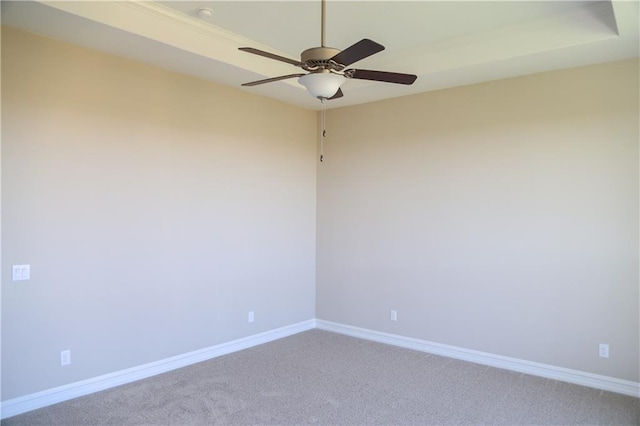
(445, 43)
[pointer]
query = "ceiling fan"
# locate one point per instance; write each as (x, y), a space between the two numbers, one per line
(326, 66)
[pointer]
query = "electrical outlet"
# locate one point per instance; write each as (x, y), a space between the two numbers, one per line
(251, 316)
(65, 358)
(394, 315)
(604, 350)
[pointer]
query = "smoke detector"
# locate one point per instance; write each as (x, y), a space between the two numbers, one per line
(204, 13)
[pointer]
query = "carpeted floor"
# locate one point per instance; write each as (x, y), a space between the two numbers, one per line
(319, 377)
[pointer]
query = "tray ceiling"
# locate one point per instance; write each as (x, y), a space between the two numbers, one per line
(446, 44)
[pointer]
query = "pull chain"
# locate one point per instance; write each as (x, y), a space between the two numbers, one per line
(324, 131)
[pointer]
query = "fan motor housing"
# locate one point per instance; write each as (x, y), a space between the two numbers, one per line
(320, 58)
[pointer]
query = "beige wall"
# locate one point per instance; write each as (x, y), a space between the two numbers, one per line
(155, 211)
(501, 217)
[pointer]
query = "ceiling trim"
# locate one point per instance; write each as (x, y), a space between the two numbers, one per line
(148, 19)
(576, 34)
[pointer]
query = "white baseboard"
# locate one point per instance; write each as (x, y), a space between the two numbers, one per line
(534, 368)
(13, 407)
(23, 404)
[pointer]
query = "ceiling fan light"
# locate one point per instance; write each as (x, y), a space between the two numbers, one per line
(322, 85)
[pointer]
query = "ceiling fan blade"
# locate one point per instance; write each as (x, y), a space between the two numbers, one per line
(270, 55)
(270, 80)
(387, 77)
(358, 51)
(338, 94)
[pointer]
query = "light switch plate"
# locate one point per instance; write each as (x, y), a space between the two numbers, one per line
(21, 272)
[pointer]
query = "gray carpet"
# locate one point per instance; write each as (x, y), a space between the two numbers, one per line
(319, 377)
